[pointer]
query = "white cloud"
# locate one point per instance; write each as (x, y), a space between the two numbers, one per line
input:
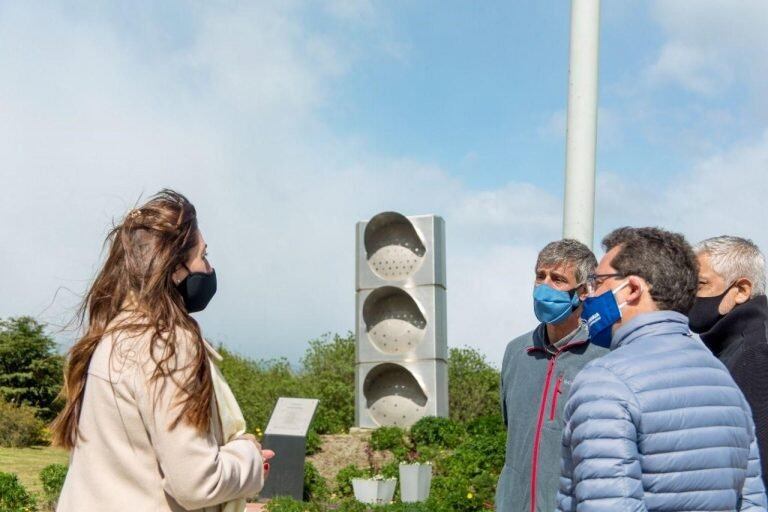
(711, 45)
(697, 69)
(720, 194)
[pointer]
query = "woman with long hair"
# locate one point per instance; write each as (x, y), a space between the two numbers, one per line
(141, 417)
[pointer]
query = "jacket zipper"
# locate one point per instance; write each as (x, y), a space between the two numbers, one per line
(539, 424)
(555, 395)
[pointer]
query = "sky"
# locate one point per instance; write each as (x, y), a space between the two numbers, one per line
(287, 122)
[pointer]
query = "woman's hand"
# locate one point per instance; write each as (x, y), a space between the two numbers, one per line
(251, 438)
(265, 454)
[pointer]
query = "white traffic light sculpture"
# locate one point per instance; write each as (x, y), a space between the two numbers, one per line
(402, 351)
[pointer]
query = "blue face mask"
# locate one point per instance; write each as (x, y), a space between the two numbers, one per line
(553, 306)
(601, 313)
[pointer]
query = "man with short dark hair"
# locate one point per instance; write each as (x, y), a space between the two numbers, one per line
(536, 375)
(731, 315)
(657, 423)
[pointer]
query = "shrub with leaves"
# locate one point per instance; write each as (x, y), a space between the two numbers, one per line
(352, 505)
(52, 477)
(466, 479)
(19, 426)
(13, 496)
(452, 493)
(286, 504)
(387, 438)
(344, 479)
(315, 487)
(314, 442)
(486, 425)
(408, 507)
(436, 431)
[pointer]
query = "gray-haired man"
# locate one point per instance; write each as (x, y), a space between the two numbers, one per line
(536, 375)
(731, 315)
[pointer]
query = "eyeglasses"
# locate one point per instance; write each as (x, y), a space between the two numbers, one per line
(594, 281)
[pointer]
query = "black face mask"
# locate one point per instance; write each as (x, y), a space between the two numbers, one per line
(197, 290)
(704, 314)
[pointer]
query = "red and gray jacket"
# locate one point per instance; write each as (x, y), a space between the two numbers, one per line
(535, 380)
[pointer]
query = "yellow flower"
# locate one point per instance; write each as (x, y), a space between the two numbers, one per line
(470, 495)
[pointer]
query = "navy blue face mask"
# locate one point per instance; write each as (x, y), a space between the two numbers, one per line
(600, 313)
(197, 290)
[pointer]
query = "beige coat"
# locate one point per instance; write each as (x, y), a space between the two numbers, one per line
(129, 461)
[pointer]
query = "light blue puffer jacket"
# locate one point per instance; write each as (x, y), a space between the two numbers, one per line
(658, 424)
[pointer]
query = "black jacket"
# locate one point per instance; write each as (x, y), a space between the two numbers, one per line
(740, 341)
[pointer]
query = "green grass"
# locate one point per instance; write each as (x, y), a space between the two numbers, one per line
(28, 462)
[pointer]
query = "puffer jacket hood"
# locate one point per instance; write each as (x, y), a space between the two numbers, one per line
(658, 424)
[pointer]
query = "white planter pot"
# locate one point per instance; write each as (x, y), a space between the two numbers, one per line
(374, 492)
(415, 481)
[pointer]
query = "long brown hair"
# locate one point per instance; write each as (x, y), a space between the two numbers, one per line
(144, 251)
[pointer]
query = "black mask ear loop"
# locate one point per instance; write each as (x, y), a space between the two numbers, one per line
(183, 264)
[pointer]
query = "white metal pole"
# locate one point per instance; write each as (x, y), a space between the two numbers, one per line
(581, 135)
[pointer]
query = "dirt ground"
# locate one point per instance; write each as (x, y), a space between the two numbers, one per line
(338, 451)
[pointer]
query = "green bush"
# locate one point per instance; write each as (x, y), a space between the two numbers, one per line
(314, 442)
(424, 454)
(19, 426)
(408, 507)
(436, 431)
(286, 504)
(52, 477)
(477, 455)
(352, 505)
(458, 494)
(13, 496)
(466, 479)
(473, 385)
(486, 425)
(315, 487)
(344, 479)
(387, 438)
(390, 470)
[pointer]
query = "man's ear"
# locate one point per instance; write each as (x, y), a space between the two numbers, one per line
(743, 288)
(582, 292)
(635, 288)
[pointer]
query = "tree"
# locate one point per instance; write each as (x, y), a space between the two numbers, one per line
(258, 384)
(328, 373)
(31, 371)
(473, 385)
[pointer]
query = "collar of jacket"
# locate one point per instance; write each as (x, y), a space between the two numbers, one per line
(540, 341)
(746, 317)
(655, 323)
(212, 352)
